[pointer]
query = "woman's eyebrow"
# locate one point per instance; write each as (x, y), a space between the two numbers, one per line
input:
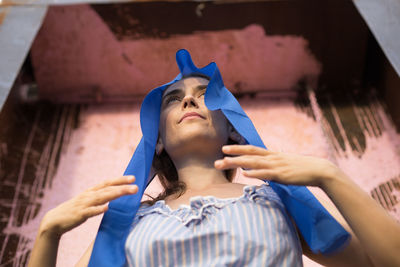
(201, 86)
(178, 90)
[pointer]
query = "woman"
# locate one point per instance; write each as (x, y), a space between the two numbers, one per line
(193, 137)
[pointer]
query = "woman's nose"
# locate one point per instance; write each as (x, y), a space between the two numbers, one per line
(189, 101)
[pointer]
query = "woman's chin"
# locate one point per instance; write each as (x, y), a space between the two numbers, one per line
(193, 132)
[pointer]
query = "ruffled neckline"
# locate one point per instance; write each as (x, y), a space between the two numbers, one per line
(200, 205)
(196, 202)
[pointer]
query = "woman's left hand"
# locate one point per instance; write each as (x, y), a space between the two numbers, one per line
(285, 168)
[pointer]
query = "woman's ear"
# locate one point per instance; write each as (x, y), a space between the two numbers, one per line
(159, 147)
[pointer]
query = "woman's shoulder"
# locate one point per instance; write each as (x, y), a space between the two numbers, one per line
(144, 205)
(260, 193)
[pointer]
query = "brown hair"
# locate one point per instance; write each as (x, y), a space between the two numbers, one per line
(168, 175)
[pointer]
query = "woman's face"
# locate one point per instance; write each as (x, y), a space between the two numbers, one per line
(186, 124)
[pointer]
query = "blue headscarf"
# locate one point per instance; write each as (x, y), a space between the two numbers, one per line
(320, 230)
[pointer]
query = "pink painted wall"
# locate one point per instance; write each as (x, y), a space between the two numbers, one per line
(103, 144)
(71, 64)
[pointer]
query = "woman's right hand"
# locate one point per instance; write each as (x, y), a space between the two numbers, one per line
(89, 203)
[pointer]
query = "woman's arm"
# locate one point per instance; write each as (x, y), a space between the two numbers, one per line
(378, 233)
(44, 252)
(352, 255)
(72, 213)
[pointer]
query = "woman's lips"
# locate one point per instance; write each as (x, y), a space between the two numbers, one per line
(190, 115)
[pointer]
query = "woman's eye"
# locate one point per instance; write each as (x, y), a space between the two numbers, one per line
(172, 99)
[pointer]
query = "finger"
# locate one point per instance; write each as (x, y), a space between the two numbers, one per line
(245, 150)
(116, 181)
(96, 210)
(261, 174)
(251, 162)
(110, 193)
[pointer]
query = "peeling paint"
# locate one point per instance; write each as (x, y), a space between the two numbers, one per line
(281, 124)
(67, 2)
(3, 14)
(352, 131)
(350, 120)
(69, 61)
(388, 194)
(17, 2)
(27, 170)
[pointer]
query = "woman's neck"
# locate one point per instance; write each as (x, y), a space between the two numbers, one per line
(199, 173)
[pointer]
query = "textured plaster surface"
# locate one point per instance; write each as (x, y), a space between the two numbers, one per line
(359, 139)
(113, 70)
(102, 145)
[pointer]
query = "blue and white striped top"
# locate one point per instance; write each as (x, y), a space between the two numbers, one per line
(251, 230)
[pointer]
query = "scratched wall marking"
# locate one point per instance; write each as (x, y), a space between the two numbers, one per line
(27, 169)
(115, 127)
(388, 195)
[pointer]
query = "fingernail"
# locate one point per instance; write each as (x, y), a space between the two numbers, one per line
(134, 188)
(131, 178)
(218, 162)
(225, 148)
